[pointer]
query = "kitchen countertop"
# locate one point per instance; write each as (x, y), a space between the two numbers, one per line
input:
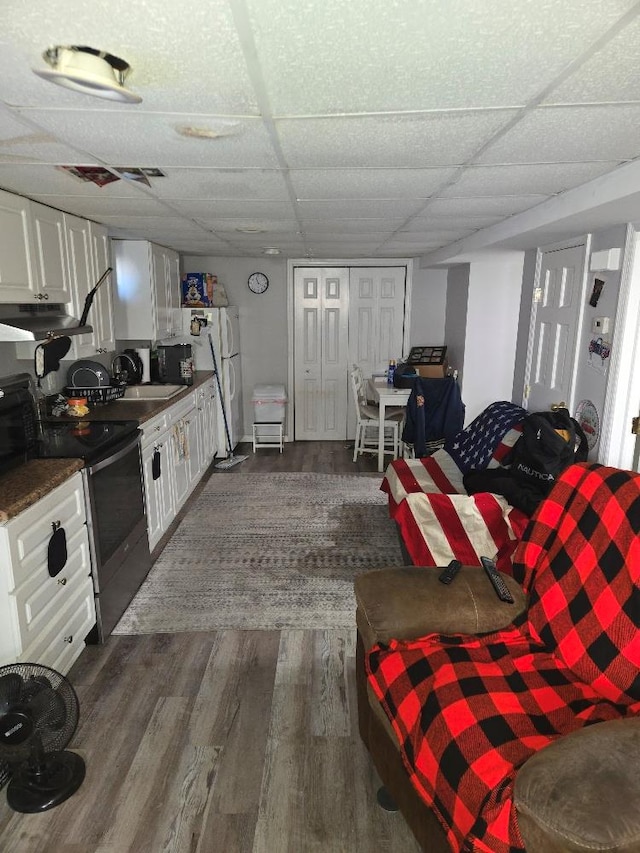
(141, 410)
(25, 485)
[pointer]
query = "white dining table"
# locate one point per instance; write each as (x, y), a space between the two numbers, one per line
(385, 395)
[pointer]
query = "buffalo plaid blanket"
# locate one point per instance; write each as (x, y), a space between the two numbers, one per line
(469, 711)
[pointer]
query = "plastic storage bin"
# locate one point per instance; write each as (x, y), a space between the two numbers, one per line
(269, 406)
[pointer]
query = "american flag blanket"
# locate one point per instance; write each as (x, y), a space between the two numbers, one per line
(436, 528)
(469, 711)
(485, 443)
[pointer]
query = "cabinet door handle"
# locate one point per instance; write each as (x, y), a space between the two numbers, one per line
(45, 296)
(62, 581)
(69, 639)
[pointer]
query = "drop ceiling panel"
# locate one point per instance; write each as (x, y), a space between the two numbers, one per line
(449, 223)
(41, 180)
(315, 56)
(541, 179)
(270, 227)
(366, 209)
(498, 205)
(606, 75)
(169, 46)
(557, 134)
(222, 183)
(150, 139)
(353, 226)
(213, 209)
(368, 183)
(98, 208)
(433, 235)
(414, 141)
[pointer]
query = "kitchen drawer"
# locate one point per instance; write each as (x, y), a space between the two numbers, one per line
(63, 640)
(40, 598)
(153, 429)
(181, 409)
(26, 537)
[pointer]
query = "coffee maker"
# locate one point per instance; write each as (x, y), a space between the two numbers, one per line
(175, 364)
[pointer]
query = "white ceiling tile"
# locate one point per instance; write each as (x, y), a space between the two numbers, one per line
(99, 207)
(333, 56)
(368, 183)
(217, 209)
(537, 179)
(185, 57)
(222, 183)
(606, 75)
(347, 237)
(433, 235)
(267, 227)
(570, 134)
(365, 209)
(448, 223)
(392, 141)
(150, 139)
(457, 204)
(352, 226)
(42, 181)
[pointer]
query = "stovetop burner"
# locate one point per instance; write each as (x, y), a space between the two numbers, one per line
(81, 439)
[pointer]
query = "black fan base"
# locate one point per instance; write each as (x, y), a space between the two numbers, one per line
(60, 776)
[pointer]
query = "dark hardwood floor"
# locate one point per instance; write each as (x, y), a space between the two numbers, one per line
(221, 742)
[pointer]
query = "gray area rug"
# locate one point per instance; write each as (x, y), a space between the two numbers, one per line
(267, 551)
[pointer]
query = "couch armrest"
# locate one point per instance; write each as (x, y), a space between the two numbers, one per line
(408, 602)
(582, 791)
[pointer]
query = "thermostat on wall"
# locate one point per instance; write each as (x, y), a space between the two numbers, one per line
(606, 260)
(600, 325)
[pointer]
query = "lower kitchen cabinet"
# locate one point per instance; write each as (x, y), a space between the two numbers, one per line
(177, 448)
(45, 619)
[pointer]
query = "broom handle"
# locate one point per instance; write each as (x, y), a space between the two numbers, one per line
(224, 413)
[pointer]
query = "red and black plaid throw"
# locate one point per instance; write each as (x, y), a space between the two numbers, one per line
(469, 711)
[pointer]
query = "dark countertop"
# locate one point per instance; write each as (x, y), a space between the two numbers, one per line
(26, 484)
(141, 410)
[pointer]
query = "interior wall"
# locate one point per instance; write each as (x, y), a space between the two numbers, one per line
(428, 307)
(455, 328)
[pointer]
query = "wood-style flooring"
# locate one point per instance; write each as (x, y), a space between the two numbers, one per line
(221, 742)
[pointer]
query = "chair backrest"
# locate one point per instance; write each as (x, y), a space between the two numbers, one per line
(581, 559)
(358, 389)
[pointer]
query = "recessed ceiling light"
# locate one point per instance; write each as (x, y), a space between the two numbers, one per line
(271, 250)
(250, 229)
(87, 70)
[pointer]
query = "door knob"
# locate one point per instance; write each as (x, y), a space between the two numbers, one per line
(555, 406)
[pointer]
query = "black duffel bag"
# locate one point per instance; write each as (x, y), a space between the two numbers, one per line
(404, 376)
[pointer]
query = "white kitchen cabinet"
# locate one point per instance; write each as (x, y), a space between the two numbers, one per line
(206, 419)
(45, 619)
(147, 298)
(18, 274)
(159, 490)
(50, 253)
(88, 256)
(184, 448)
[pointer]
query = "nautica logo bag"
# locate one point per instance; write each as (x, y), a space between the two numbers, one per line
(550, 442)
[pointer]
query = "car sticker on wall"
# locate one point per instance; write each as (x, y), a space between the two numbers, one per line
(587, 417)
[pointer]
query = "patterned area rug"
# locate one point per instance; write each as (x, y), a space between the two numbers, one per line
(267, 551)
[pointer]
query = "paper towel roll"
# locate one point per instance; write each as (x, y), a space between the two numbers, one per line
(145, 358)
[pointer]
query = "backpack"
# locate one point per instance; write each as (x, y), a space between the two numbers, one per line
(550, 442)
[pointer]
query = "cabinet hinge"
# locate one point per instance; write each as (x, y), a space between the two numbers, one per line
(537, 294)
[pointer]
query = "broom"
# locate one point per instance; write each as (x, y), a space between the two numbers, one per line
(231, 460)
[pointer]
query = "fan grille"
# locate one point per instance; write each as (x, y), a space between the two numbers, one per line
(35, 701)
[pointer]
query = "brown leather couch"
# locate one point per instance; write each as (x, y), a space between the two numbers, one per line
(581, 793)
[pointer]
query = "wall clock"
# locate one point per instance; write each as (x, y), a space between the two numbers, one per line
(258, 282)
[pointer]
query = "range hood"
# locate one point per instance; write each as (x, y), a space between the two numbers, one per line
(38, 322)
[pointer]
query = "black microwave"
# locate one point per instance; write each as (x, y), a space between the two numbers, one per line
(18, 422)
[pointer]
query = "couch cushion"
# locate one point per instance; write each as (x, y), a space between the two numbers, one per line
(583, 556)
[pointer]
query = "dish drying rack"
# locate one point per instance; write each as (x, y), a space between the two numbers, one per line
(97, 396)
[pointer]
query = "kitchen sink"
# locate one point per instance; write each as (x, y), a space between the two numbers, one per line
(151, 392)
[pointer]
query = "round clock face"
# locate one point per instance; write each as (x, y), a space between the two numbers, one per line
(258, 282)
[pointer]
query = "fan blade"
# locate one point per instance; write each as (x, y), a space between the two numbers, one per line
(48, 710)
(33, 686)
(10, 689)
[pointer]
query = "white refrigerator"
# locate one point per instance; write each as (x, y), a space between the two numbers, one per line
(223, 331)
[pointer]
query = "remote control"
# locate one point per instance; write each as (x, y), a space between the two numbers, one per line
(450, 572)
(496, 579)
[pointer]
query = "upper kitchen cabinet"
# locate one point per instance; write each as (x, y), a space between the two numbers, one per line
(88, 257)
(146, 305)
(18, 276)
(50, 253)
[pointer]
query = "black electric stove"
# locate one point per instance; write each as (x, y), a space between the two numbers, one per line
(82, 439)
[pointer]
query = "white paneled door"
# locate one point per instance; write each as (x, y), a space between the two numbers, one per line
(558, 300)
(321, 352)
(376, 321)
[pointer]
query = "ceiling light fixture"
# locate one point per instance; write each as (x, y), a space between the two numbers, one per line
(271, 250)
(87, 70)
(250, 229)
(220, 130)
